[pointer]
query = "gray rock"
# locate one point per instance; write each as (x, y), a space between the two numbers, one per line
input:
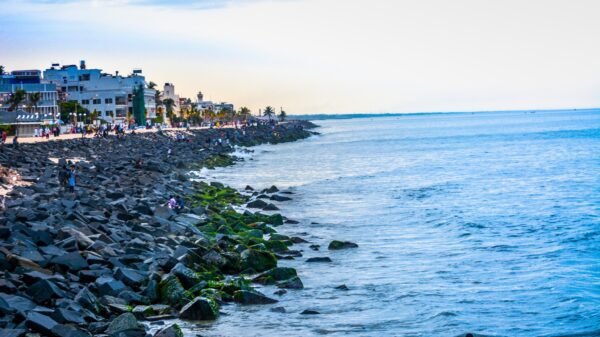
(40, 323)
(318, 259)
(130, 277)
(63, 315)
(257, 204)
(12, 332)
(292, 283)
(109, 286)
(200, 309)
(73, 261)
(252, 297)
(63, 330)
(44, 290)
(125, 324)
(170, 331)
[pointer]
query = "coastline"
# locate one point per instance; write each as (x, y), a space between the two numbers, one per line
(111, 255)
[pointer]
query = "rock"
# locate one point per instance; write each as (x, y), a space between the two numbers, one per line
(272, 189)
(277, 197)
(258, 203)
(44, 290)
(164, 212)
(170, 331)
(86, 299)
(342, 287)
(258, 260)
(63, 315)
(125, 325)
(200, 309)
(280, 292)
(292, 283)
(296, 239)
(12, 303)
(337, 245)
(309, 312)
(12, 332)
(186, 276)
(40, 323)
(318, 259)
(271, 207)
(109, 286)
(252, 297)
(274, 275)
(130, 277)
(278, 309)
(171, 291)
(69, 331)
(73, 261)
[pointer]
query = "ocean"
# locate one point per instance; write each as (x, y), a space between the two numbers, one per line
(466, 222)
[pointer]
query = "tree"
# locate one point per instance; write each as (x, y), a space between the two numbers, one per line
(268, 112)
(282, 116)
(1, 70)
(66, 108)
(34, 99)
(16, 98)
(169, 104)
(151, 85)
(194, 116)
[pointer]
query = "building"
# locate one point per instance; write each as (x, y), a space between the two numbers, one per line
(111, 96)
(201, 104)
(169, 93)
(30, 112)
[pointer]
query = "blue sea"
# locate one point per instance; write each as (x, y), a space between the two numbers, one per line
(466, 222)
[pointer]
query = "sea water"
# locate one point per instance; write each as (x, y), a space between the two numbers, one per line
(486, 223)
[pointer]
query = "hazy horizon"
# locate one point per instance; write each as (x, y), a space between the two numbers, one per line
(330, 56)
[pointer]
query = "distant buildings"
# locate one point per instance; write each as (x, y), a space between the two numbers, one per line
(38, 106)
(201, 105)
(168, 93)
(111, 96)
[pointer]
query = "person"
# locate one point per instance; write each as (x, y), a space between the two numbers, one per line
(180, 204)
(2, 139)
(16, 142)
(172, 202)
(63, 177)
(72, 178)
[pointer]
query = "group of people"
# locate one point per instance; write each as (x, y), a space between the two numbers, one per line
(176, 203)
(46, 131)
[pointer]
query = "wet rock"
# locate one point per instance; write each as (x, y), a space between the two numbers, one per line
(200, 309)
(296, 239)
(292, 283)
(280, 198)
(337, 245)
(170, 331)
(319, 260)
(63, 315)
(271, 207)
(272, 189)
(258, 260)
(280, 292)
(278, 309)
(125, 325)
(309, 312)
(342, 287)
(252, 297)
(274, 275)
(109, 286)
(12, 332)
(258, 203)
(314, 247)
(130, 277)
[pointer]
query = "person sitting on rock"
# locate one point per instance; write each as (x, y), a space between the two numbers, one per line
(172, 203)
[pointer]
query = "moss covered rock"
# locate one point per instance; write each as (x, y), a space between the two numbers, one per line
(200, 309)
(337, 245)
(171, 291)
(258, 260)
(275, 275)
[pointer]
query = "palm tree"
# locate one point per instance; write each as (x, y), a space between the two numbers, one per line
(16, 98)
(34, 99)
(268, 112)
(151, 85)
(282, 116)
(244, 113)
(169, 104)
(1, 70)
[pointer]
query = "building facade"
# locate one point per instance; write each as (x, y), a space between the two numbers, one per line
(111, 96)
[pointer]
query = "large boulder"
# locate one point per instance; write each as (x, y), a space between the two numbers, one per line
(292, 283)
(337, 245)
(73, 261)
(200, 309)
(171, 331)
(125, 325)
(275, 275)
(258, 203)
(252, 297)
(258, 260)
(171, 291)
(40, 323)
(44, 290)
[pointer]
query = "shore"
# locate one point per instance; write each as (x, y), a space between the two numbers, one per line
(110, 255)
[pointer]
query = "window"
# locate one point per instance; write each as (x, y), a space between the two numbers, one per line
(108, 101)
(97, 101)
(73, 88)
(121, 100)
(108, 113)
(84, 77)
(85, 101)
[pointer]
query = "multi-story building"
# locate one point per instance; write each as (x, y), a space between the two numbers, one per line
(111, 96)
(201, 104)
(29, 113)
(169, 93)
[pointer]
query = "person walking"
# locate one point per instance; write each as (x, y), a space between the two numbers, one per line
(63, 177)
(72, 179)
(16, 142)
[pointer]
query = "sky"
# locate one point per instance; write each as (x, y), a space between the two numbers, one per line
(327, 56)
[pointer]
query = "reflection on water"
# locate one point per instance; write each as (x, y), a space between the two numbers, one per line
(486, 223)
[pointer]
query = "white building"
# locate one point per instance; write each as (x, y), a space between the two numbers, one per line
(201, 104)
(109, 95)
(169, 93)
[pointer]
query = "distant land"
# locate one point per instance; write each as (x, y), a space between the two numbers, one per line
(377, 115)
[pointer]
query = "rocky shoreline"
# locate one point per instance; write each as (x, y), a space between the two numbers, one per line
(111, 255)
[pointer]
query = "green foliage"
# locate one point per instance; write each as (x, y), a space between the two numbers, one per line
(269, 112)
(282, 116)
(34, 99)
(16, 98)
(69, 107)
